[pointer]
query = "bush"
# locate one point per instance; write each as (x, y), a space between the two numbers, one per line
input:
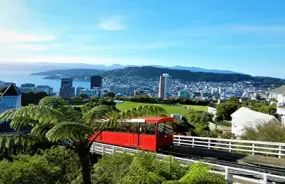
(56, 165)
(272, 131)
(199, 174)
(147, 169)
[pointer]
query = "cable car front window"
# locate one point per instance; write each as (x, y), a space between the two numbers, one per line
(160, 128)
(168, 127)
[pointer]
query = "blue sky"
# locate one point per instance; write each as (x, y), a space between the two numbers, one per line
(244, 36)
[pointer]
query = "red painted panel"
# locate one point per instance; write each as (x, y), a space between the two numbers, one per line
(147, 142)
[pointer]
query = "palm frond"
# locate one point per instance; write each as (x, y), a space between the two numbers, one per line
(30, 115)
(11, 140)
(97, 113)
(143, 110)
(114, 119)
(68, 131)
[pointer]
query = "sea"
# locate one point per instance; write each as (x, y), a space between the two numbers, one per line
(22, 77)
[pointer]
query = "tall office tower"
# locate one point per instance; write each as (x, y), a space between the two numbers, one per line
(96, 82)
(67, 90)
(164, 86)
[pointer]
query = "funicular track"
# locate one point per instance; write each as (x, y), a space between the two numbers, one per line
(184, 153)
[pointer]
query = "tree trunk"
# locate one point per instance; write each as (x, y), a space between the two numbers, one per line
(83, 153)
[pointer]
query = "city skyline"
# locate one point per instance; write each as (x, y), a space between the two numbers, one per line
(247, 37)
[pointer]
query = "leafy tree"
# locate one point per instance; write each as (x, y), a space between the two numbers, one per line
(57, 123)
(140, 168)
(32, 98)
(226, 109)
(57, 165)
(28, 169)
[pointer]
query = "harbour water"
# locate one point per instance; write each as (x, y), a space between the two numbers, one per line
(21, 77)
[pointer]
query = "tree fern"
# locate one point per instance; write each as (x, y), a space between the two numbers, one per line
(199, 174)
(69, 131)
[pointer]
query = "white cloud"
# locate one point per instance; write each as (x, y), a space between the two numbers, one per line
(9, 36)
(78, 59)
(112, 24)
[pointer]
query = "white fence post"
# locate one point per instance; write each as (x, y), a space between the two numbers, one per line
(264, 178)
(230, 146)
(193, 142)
(103, 150)
(178, 141)
(253, 149)
(227, 175)
(280, 152)
(209, 144)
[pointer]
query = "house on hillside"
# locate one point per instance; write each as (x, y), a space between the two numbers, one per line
(279, 95)
(281, 112)
(11, 99)
(245, 117)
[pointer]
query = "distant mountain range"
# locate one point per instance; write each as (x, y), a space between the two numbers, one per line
(36, 67)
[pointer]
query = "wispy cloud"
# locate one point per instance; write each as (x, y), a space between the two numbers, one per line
(78, 59)
(9, 36)
(134, 46)
(34, 47)
(113, 23)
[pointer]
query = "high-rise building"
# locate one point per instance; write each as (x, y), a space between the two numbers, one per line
(96, 82)
(164, 86)
(67, 90)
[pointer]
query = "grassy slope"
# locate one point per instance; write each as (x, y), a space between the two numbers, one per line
(171, 109)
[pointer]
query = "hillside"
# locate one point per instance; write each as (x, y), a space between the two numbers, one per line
(185, 75)
(150, 72)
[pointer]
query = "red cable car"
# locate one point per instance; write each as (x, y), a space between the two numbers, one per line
(151, 134)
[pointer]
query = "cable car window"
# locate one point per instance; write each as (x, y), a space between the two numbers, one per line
(161, 128)
(150, 128)
(134, 128)
(168, 127)
(123, 127)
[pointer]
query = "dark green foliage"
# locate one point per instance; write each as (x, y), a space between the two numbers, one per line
(272, 131)
(226, 109)
(32, 98)
(199, 174)
(28, 170)
(142, 168)
(57, 165)
(52, 102)
(96, 102)
(145, 168)
(67, 160)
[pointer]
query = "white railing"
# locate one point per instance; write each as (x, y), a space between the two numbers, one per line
(237, 175)
(251, 147)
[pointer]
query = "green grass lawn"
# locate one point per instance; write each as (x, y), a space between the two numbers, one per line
(197, 107)
(170, 109)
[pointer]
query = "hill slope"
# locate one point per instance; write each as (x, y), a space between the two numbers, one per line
(150, 72)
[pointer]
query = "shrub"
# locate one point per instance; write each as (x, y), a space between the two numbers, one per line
(272, 131)
(57, 165)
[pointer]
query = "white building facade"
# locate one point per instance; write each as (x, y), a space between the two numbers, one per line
(245, 117)
(279, 95)
(91, 92)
